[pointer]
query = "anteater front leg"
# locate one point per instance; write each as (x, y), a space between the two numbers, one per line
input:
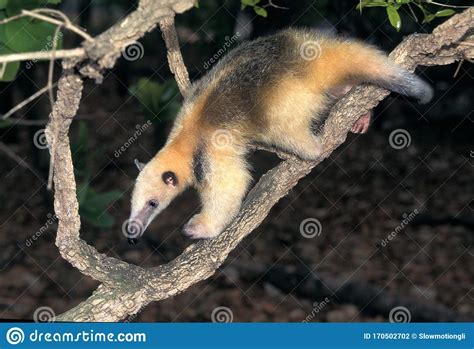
(224, 186)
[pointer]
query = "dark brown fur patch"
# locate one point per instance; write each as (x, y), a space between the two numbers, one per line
(199, 170)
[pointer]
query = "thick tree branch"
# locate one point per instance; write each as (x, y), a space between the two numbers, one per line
(126, 288)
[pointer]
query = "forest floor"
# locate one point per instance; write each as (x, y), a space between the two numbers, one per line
(360, 196)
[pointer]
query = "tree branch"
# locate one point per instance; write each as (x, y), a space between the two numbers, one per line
(127, 288)
(175, 59)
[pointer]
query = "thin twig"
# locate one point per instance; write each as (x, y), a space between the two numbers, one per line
(3, 68)
(25, 102)
(51, 65)
(270, 3)
(458, 68)
(51, 99)
(12, 18)
(413, 13)
(446, 5)
(65, 22)
(43, 55)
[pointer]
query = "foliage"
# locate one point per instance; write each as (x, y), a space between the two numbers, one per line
(160, 101)
(23, 34)
(392, 8)
(259, 10)
(93, 205)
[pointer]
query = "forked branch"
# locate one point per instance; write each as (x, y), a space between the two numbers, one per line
(125, 288)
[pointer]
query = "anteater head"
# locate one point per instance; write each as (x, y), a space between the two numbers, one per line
(157, 184)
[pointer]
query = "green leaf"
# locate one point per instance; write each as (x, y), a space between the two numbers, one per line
(100, 202)
(81, 193)
(5, 123)
(11, 69)
(371, 3)
(27, 35)
(260, 11)
(14, 7)
(250, 2)
(3, 4)
(445, 13)
(100, 220)
(428, 18)
(160, 101)
(394, 17)
(54, 2)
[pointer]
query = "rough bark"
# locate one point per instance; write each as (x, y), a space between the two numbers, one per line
(125, 288)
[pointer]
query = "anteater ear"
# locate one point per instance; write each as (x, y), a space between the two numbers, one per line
(139, 165)
(170, 178)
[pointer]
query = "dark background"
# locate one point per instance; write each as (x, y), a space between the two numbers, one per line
(360, 194)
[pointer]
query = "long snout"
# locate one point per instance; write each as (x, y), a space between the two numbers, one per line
(136, 226)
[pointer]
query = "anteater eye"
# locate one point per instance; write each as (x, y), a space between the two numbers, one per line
(153, 203)
(170, 178)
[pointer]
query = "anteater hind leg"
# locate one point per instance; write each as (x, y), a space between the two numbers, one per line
(222, 192)
(362, 124)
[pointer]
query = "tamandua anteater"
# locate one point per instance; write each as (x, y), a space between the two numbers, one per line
(275, 90)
